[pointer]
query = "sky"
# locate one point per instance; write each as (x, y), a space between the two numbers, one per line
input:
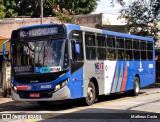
(104, 6)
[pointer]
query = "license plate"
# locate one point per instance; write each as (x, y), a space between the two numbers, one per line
(34, 95)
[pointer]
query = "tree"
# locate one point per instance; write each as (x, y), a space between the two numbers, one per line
(141, 16)
(32, 7)
(2, 13)
(7, 8)
(28, 8)
(78, 6)
(64, 16)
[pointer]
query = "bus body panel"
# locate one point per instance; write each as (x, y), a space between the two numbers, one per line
(45, 87)
(76, 78)
(61, 94)
(111, 76)
(77, 84)
(94, 69)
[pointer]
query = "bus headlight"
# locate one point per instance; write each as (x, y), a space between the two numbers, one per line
(57, 87)
(64, 83)
(61, 85)
(14, 88)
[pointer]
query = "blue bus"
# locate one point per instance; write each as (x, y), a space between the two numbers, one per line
(52, 62)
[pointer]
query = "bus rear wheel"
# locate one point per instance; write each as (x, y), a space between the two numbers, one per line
(91, 94)
(136, 89)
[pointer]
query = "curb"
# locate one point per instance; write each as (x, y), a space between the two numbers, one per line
(154, 85)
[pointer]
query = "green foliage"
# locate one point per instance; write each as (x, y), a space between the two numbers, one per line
(29, 8)
(65, 10)
(7, 8)
(65, 16)
(32, 7)
(2, 13)
(78, 6)
(141, 16)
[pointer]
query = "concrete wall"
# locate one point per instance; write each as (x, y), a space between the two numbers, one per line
(8, 25)
(89, 20)
(103, 21)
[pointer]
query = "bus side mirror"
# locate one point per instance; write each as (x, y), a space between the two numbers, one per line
(4, 50)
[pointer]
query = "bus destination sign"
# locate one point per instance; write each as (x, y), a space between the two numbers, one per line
(38, 32)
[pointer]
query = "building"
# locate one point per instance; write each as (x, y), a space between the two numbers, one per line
(110, 22)
(4, 70)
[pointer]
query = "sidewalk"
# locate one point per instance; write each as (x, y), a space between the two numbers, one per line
(5, 100)
(155, 85)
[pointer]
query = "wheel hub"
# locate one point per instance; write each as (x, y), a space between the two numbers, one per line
(90, 93)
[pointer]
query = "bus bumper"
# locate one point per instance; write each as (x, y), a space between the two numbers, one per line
(61, 94)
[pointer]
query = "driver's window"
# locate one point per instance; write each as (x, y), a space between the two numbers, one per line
(78, 38)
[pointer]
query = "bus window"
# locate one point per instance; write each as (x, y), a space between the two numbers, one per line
(150, 55)
(90, 40)
(119, 43)
(143, 50)
(149, 46)
(101, 41)
(129, 55)
(102, 53)
(150, 50)
(135, 44)
(111, 54)
(120, 54)
(143, 55)
(77, 36)
(90, 53)
(136, 55)
(128, 44)
(143, 45)
(110, 42)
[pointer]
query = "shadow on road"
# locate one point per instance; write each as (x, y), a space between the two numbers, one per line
(56, 106)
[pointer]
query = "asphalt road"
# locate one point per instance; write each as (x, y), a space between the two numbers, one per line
(121, 107)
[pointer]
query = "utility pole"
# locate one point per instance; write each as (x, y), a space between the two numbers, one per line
(41, 11)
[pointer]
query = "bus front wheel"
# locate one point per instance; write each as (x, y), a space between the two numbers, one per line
(91, 94)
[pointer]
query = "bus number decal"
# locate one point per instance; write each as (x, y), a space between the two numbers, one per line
(99, 67)
(45, 86)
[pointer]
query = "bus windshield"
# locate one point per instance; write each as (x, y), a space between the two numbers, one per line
(42, 56)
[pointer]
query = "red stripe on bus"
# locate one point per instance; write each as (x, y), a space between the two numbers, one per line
(23, 87)
(124, 78)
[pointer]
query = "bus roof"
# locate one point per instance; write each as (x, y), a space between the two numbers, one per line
(33, 26)
(112, 33)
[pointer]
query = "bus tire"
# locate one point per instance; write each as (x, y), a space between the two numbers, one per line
(136, 89)
(91, 94)
(44, 103)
